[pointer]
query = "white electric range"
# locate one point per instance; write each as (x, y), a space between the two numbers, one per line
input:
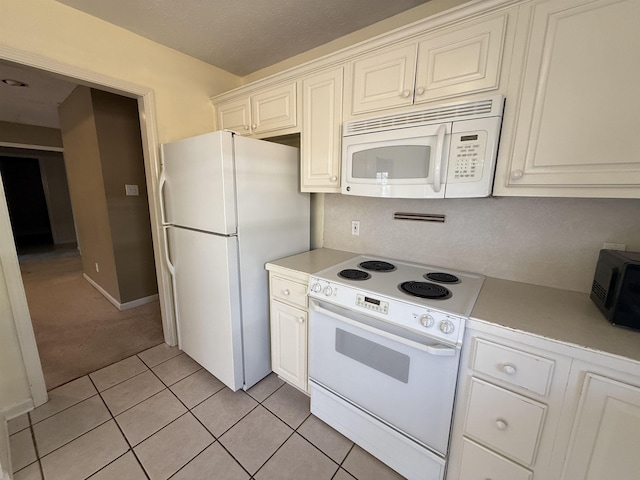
(384, 350)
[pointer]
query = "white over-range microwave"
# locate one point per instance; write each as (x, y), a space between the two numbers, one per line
(444, 151)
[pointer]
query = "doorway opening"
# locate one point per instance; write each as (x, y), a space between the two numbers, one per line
(12, 272)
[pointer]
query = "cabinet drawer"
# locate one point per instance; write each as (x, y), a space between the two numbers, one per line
(479, 463)
(290, 292)
(504, 421)
(513, 366)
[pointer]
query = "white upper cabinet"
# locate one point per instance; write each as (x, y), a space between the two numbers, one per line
(457, 60)
(573, 109)
(321, 131)
(269, 110)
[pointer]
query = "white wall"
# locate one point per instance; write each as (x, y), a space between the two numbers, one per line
(545, 241)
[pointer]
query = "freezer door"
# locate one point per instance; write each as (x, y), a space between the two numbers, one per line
(207, 301)
(198, 184)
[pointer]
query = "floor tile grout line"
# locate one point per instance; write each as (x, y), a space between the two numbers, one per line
(117, 361)
(123, 436)
(163, 361)
(60, 411)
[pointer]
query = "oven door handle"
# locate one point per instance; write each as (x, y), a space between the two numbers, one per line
(435, 349)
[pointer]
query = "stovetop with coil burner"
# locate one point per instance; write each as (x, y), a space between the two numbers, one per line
(446, 290)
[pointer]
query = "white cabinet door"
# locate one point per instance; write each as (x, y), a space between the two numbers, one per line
(269, 110)
(606, 432)
(235, 116)
(289, 343)
(384, 79)
(465, 60)
(577, 119)
(321, 133)
(274, 109)
(456, 61)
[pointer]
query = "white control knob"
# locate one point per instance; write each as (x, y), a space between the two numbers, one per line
(446, 326)
(316, 288)
(328, 291)
(426, 320)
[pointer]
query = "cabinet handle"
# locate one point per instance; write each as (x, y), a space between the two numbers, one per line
(246, 127)
(509, 369)
(420, 90)
(501, 424)
(286, 292)
(254, 126)
(406, 94)
(300, 319)
(334, 179)
(517, 174)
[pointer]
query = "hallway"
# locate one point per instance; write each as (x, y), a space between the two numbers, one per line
(77, 330)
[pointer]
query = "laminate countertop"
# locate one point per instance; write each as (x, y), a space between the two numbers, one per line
(312, 261)
(560, 315)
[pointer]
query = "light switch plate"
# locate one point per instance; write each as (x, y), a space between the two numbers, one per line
(131, 190)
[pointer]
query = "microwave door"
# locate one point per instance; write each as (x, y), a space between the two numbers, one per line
(405, 163)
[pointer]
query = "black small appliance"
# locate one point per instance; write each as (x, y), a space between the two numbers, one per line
(616, 287)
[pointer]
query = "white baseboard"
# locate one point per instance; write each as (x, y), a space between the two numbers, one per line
(17, 409)
(138, 302)
(116, 303)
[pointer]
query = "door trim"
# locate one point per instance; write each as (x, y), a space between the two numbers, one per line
(8, 255)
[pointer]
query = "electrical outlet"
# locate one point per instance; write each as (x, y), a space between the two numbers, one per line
(355, 227)
(97, 267)
(614, 246)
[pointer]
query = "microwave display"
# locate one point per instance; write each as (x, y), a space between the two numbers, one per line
(391, 163)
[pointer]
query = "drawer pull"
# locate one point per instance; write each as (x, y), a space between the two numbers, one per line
(286, 292)
(501, 424)
(300, 319)
(509, 369)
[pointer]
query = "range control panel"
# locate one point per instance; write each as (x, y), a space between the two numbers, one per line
(428, 321)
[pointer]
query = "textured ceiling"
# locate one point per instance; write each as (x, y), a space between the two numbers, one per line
(242, 36)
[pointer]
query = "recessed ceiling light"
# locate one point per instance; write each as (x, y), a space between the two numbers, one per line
(14, 83)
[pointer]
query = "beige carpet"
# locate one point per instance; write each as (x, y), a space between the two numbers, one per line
(77, 330)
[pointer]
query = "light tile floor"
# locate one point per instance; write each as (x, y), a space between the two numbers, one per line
(159, 415)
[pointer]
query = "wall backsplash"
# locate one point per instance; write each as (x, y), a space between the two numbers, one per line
(545, 241)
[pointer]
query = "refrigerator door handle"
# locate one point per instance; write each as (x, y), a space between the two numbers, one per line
(170, 266)
(161, 183)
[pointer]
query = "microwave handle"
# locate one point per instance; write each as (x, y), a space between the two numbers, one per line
(437, 171)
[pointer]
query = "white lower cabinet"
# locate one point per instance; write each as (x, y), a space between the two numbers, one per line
(480, 463)
(530, 408)
(606, 431)
(508, 407)
(289, 328)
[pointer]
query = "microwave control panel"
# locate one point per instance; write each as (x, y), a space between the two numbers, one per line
(467, 155)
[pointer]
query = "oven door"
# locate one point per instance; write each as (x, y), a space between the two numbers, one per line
(404, 379)
(403, 163)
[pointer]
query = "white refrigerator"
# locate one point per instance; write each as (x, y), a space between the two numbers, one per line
(230, 204)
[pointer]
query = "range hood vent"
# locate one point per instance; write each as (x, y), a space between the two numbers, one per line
(491, 106)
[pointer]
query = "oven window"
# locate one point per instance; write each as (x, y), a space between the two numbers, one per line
(374, 355)
(390, 163)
